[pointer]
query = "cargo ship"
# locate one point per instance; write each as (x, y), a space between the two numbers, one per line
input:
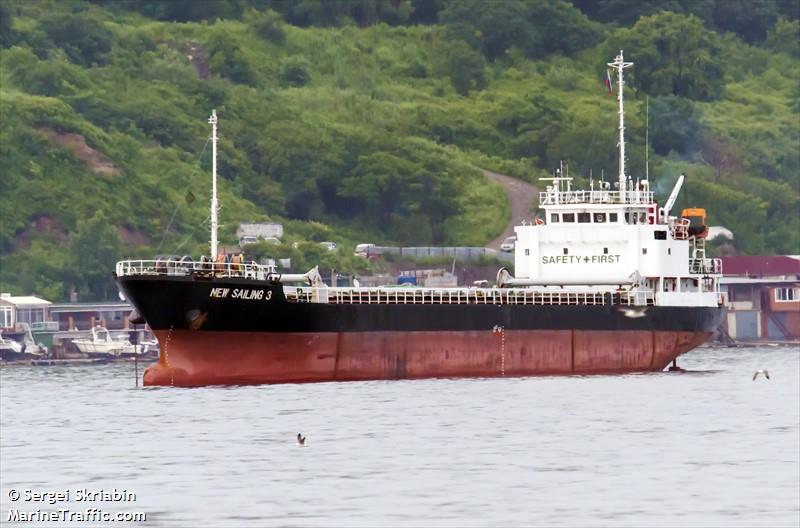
(607, 281)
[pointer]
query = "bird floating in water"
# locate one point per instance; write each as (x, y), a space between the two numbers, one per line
(301, 440)
(762, 371)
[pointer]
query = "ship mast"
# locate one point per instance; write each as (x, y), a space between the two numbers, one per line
(620, 65)
(214, 206)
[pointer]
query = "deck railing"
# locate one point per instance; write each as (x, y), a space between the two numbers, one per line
(249, 270)
(495, 296)
(390, 295)
(679, 228)
(706, 266)
(594, 197)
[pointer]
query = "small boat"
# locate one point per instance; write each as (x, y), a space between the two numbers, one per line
(9, 349)
(102, 344)
(147, 348)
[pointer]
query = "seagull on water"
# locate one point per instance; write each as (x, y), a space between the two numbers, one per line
(762, 371)
(301, 440)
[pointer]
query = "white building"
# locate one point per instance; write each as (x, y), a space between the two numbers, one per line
(22, 309)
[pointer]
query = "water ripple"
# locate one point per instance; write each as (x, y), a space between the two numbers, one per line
(706, 446)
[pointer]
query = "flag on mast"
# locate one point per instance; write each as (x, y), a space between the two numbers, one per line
(608, 82)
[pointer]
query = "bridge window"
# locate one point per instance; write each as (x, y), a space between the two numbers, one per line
(660, 235)
(554, 218)
(612, 217)
(566, 251)
(605, 251)
(584, 218)
(599, 218)
(568, 217)
(644, 251)
(527, 252)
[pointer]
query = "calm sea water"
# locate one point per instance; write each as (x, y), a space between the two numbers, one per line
(709, 447)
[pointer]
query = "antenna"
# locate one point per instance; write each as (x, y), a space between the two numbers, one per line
(214, 206)
(647, 139)
(619, 64)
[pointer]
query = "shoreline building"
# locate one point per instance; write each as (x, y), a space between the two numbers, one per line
(762, 295)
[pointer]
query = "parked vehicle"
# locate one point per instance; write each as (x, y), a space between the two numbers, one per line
(363, 250)
(260, 230)
(330, 246)
(508, 244)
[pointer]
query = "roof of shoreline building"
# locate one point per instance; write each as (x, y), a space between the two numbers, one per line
(23, 300)
(761, 266)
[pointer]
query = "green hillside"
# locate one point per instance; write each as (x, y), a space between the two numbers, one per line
(371, 120)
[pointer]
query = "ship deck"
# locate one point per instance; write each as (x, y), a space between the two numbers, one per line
(256, 274)
(497, 296)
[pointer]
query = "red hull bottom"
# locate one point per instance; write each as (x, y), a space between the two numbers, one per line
(236, 358)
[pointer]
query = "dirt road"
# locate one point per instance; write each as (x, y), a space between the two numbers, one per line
(521, 196)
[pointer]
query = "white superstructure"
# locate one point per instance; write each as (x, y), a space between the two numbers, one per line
(615, 240)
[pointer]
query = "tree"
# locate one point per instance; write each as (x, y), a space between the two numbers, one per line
(491, 28)
(381, 182)
(295, 71)
(463, 65)
(425, 11)
(720, 156)
(749, 19)
(95, 249)
(785, 38)
(83, 39)
(538, 27)
(269, 26)
(302, 158)
(627, 12)
(6, 31)
(228, 60)
(324, 13)
(560, 28)
(181, 10)
(674, 125)
(532, 124)
(673, 54)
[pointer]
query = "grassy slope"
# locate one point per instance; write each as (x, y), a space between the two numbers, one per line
(361, 86)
